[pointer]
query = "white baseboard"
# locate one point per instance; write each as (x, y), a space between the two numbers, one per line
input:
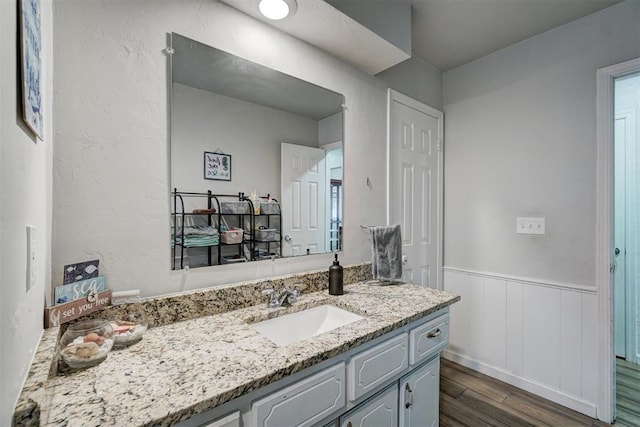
(560, 398)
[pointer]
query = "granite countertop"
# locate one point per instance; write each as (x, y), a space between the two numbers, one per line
(185, 368)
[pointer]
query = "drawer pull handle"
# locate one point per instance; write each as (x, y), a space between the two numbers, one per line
(409, 399)
(434, 334)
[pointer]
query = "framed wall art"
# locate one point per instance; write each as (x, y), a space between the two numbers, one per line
(31, 65)
(217, 166)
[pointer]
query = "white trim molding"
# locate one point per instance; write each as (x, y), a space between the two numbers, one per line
(604, 232)
(541, 390)
(525, 280)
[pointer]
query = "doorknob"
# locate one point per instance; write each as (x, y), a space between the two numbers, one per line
(617, 251)
(405, 259)
(287, 238)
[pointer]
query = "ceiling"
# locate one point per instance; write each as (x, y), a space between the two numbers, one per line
(445, 33)
(204, 67)
(449, 33)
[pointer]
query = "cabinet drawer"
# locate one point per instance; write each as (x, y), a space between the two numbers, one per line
(379, 410)
(303, 403)
(428, 339)
(374, 367)
(231, 420)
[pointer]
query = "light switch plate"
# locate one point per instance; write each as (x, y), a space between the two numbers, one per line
(530, 225)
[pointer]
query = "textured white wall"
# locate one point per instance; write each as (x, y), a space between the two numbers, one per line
(521, 141)
(111, 188)
(251, 134)
(25, 189)
(390, 19)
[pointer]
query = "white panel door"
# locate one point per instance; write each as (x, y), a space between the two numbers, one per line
(303, 183)
(415, 166)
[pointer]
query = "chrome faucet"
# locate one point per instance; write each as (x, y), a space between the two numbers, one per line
(286, 298)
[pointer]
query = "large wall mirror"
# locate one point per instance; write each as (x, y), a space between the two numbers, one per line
(256, 160)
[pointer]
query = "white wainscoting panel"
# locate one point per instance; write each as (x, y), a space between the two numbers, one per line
(541, 332)
(539, 336)
(514, 328)
(590, 368)
(571, 342)
(494, 321)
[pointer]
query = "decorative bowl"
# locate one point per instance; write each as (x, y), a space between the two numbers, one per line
(86, 343)
(128, 328)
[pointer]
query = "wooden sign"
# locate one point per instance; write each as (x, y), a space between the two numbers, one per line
(63, 313)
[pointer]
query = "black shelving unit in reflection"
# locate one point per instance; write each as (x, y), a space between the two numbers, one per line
(219, 214)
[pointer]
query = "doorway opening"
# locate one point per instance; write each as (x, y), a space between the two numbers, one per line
(626, 142)
(605, 236)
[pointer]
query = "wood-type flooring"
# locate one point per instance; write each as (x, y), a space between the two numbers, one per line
(627, 394)
(469, 398)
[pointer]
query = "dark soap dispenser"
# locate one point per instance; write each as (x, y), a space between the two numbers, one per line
(335, 278)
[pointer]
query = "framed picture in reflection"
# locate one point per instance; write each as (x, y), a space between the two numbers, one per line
(217, 166)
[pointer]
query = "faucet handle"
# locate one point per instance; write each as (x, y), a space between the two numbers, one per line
(294, 290)
(273, 299)
(293, 294)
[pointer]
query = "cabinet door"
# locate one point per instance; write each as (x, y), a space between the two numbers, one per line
(304, 403)
(419, 396)
(380, 410)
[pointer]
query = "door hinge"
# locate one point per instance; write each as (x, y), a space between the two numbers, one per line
(438, 145)
(612, 267)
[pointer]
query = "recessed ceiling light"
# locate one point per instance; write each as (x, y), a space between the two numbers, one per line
(277, 9)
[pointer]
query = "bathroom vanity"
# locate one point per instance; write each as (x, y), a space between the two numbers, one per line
(218, 370)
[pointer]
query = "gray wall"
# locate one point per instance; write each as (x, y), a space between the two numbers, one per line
(416, 78)
(251, 134)
(25, 199)
(521, 141)
(111, 174)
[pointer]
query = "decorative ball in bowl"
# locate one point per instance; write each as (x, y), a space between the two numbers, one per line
(86, 343)
(128, 328)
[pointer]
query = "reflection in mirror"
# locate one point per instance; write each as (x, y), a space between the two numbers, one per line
(256, 160)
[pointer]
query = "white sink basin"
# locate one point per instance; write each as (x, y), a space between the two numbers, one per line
(294, 327)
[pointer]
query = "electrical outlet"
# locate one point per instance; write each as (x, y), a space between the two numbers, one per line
(31, 257)
(530, 225)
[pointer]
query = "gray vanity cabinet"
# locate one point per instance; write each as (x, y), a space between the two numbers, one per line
(392, 381)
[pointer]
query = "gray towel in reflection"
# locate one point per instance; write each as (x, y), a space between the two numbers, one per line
(387, 252)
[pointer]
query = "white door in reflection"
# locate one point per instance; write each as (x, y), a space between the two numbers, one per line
(303, 188)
